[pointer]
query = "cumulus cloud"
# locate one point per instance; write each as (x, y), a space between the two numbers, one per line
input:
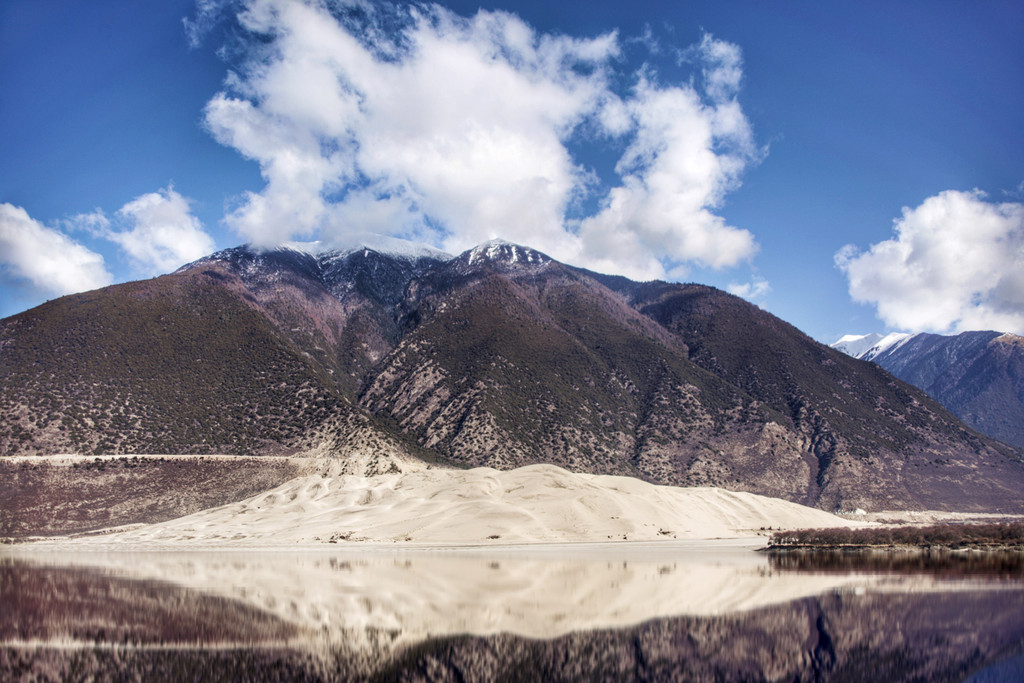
(955, 263)
(161, 234)
(49, 260)
(459, 129)
(686, 153)
(155, 231)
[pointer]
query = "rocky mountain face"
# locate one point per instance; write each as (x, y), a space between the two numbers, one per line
(978, 376)
(500, 356)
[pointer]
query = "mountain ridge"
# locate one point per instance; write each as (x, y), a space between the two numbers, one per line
(499, 356)
(978, 375)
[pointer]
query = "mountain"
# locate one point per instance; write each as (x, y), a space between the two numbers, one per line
(978, 376)
(227, 357)
(856, 344)
(868, 346)
(500, 356)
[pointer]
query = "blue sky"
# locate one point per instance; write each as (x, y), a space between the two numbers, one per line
(850, 167)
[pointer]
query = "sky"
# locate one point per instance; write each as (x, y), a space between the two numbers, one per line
(851, 167)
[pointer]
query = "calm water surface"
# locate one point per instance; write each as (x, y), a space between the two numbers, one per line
(640, 612)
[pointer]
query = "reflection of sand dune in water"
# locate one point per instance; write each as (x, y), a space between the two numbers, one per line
(356, 598)
(363, 614)
(539, 503)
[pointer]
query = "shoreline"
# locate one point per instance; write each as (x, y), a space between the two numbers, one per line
(920, 549)
(556, 549)
(947, 537)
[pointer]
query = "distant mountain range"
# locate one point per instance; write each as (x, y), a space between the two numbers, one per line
(978, 376)
(500, 356)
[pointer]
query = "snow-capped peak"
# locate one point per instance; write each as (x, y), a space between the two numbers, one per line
(868, 346)
(856, 344)
(382, 244)
(890, 341)
(1010, 339)
(498, 250)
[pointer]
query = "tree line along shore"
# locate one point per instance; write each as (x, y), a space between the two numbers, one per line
(985, 536)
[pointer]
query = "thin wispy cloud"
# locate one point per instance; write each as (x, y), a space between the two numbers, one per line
(755, 289)
(207, 14)
(954, 263)
(420, 123)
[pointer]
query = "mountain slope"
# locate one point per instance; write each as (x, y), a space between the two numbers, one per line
(509, 363)
(184, 363)
(978, 376)
(340, 308)
(856, 428)
(500, 356)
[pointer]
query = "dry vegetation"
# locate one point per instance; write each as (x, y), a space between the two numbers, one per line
(998, 536)
(940, 562)
(43, 498)
(174, 365)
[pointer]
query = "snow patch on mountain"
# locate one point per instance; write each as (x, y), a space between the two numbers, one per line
(500, 251)
(869, 346)
(1010, 340)
(977, 375)
(856, 344)
(382, 244)
(889, 342)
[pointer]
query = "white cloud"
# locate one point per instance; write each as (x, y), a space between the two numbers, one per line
(49, 260)
(161, 233)
(755, 289)
(155, 231)
(460, 127)
(955, 263)
(722, 64)
(685, 155)
(96, 224)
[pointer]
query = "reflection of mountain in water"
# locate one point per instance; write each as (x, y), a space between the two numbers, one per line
(465, 616)
(871, 637)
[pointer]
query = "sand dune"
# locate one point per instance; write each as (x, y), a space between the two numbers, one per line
(535, 504)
